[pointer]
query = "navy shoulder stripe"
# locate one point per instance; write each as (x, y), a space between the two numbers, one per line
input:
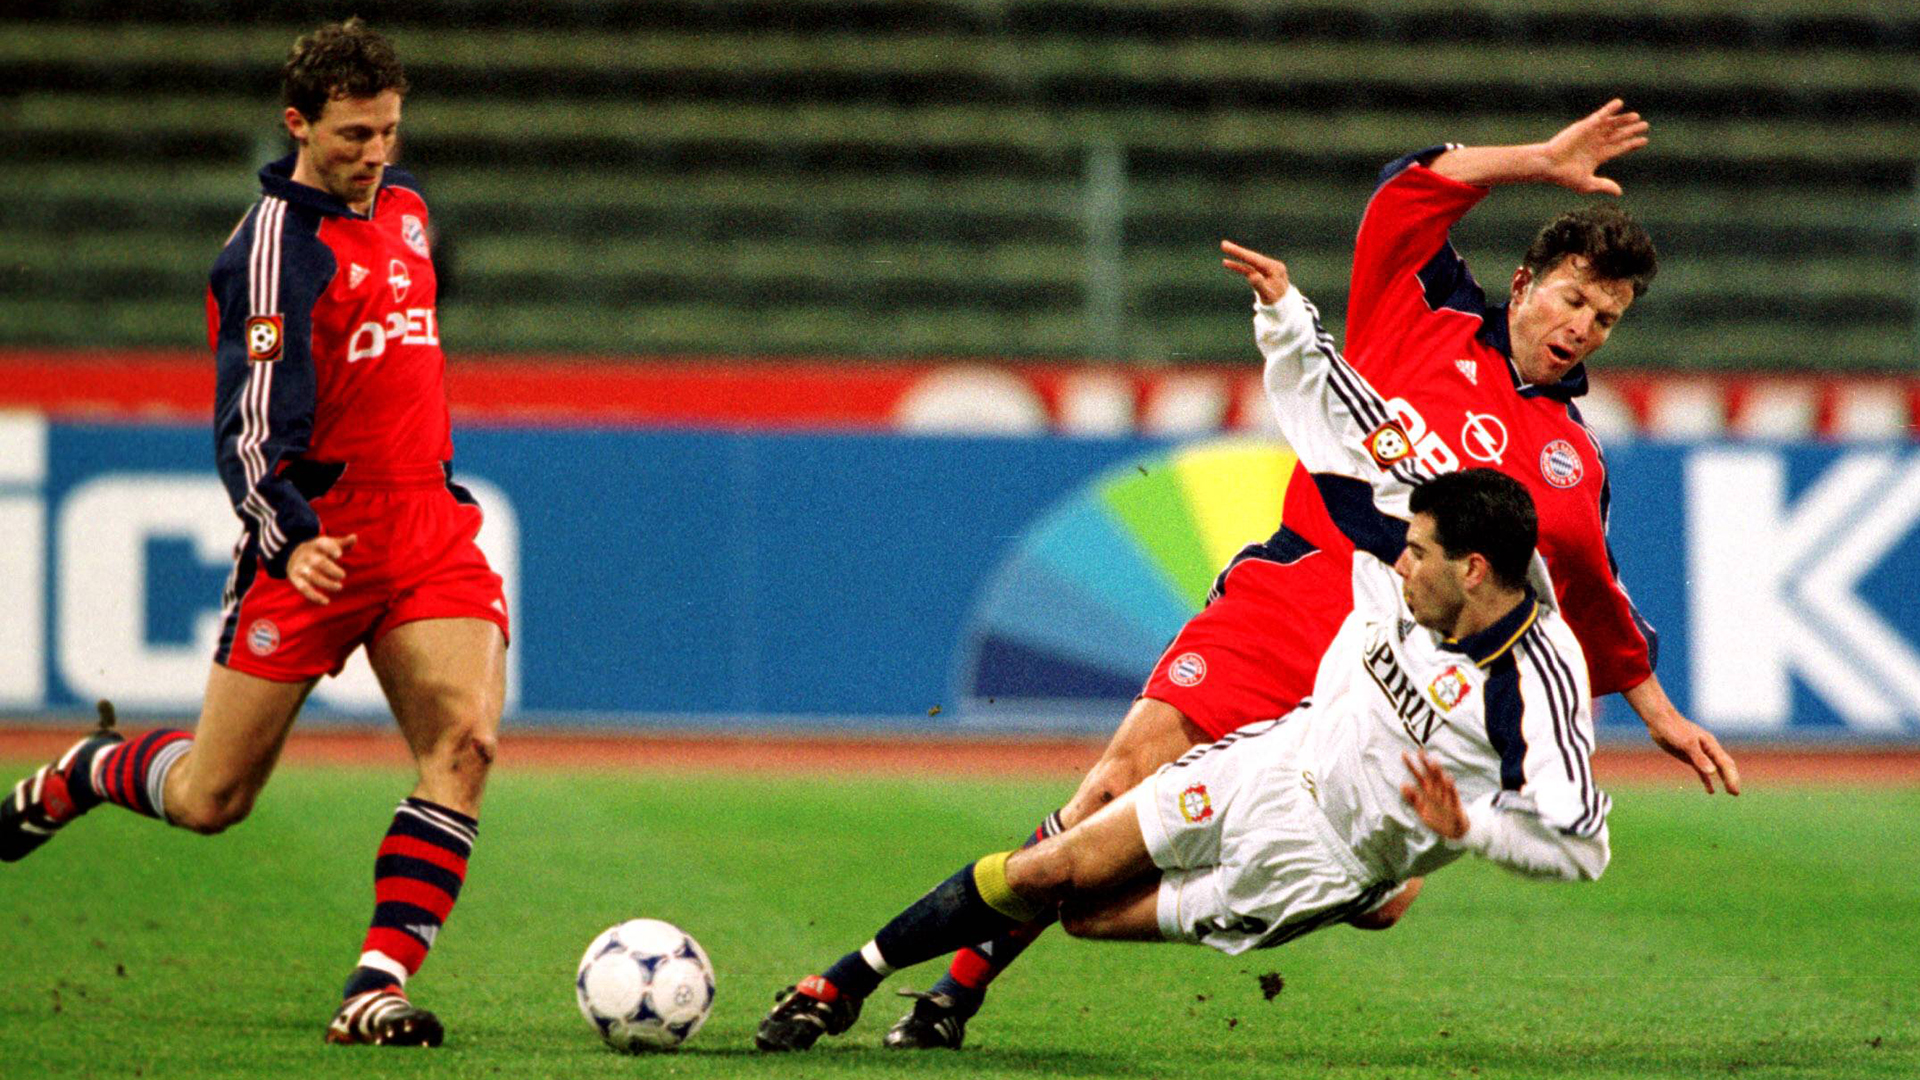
(1504, 710)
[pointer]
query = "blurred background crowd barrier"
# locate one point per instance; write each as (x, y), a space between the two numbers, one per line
(767, 321)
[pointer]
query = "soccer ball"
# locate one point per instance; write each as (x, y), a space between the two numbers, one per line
(645, 985)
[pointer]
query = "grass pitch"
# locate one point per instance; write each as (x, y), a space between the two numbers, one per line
(1774, 935)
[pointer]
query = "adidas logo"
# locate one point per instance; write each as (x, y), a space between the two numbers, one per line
(1470, 369)
(425, 932)
(355, 275)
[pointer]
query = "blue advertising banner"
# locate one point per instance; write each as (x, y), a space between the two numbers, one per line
(930, 583)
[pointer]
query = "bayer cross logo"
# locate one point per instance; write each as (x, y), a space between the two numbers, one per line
(1195, 805)
(263, 338)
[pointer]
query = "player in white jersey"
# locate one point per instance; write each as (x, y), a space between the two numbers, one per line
(1450, 714)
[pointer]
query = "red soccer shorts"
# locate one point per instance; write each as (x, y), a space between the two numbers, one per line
(415, 559)
(1252, 653)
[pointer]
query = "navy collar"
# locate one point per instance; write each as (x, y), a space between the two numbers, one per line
(1495, 335)
(276, 179)
(1486, 646)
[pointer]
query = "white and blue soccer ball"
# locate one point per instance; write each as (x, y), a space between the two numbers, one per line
(645, 985)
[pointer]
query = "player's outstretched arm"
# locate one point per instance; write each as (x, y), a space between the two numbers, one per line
(1687, 741)
(1571, 159)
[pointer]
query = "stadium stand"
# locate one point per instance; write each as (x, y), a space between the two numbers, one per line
(975, 177)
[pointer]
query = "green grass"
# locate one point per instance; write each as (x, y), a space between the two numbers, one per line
(1773, 935)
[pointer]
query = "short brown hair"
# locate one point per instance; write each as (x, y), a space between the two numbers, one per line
(339, 60)
(1608, 237)
(1484, 511)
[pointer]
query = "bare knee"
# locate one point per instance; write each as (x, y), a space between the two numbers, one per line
(211, 812)
(463, 738)
(1389, 913)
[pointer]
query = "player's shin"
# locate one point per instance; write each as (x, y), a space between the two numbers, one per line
(973, 904)
(977, 965)
(417, 877)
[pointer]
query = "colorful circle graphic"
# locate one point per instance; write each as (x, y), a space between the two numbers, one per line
(1073, 619)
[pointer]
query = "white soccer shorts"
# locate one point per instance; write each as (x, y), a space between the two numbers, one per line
(1248, 859)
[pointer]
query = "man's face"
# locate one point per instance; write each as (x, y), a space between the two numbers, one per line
(1431, 582)
(1558, 319)
(345, 151)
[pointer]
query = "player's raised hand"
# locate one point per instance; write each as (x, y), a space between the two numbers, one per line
(1434, 797)
(1574, 156)
(1267, 275)
(314, 569)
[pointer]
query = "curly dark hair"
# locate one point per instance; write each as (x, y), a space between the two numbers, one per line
(1482, 510)
(1608, 237)
(344, 59)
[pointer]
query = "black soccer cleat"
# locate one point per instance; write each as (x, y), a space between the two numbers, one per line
(383, 1017)
(803, 1013)
(936, 1022)
(44, 802)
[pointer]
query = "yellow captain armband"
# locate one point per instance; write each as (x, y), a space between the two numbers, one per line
(990, 877)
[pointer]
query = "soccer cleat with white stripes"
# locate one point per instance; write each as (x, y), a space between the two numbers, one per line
(937, 1022)
(44, 802)
(383, 1017)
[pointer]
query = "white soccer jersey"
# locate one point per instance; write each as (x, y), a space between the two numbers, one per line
(1286, 826)
(1506, 711)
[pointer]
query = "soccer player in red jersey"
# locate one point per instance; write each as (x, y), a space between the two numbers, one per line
(1440, 380)
(332, 436)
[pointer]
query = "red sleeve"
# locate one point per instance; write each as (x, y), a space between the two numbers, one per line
(1618, 642)
(1404, 267)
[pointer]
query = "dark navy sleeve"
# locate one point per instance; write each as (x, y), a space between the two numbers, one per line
(264, 287)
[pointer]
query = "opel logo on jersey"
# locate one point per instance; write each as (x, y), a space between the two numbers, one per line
(263, 637)
(263, 338)
(1187, 669)
(1560, 463)
(1484, 436)
(414, 233)
(1388, 443)
(398, 278)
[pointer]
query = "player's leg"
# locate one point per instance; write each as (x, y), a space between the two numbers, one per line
(1152, 734)
(445, 679)
(1102, 855)
(205, 781)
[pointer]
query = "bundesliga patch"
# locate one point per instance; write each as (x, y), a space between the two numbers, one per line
(1187, 669)
(414, 233)
(1195, 805)
(263, 637)
(1561, 465)
(1450, 689)
(1388, 443)
(263, 338)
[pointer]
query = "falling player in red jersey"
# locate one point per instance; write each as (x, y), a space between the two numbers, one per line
(1438, 380)
(332, 436)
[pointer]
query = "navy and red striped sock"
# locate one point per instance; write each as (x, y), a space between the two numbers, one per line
(416, 879)
(132, 774)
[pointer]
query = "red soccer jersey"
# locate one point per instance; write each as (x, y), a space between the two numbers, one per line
(325, 331)
(1421, 333)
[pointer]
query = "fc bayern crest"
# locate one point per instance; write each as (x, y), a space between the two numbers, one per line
(1187, 669)
(414, 233)
(263, 637)
(1560, 463)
